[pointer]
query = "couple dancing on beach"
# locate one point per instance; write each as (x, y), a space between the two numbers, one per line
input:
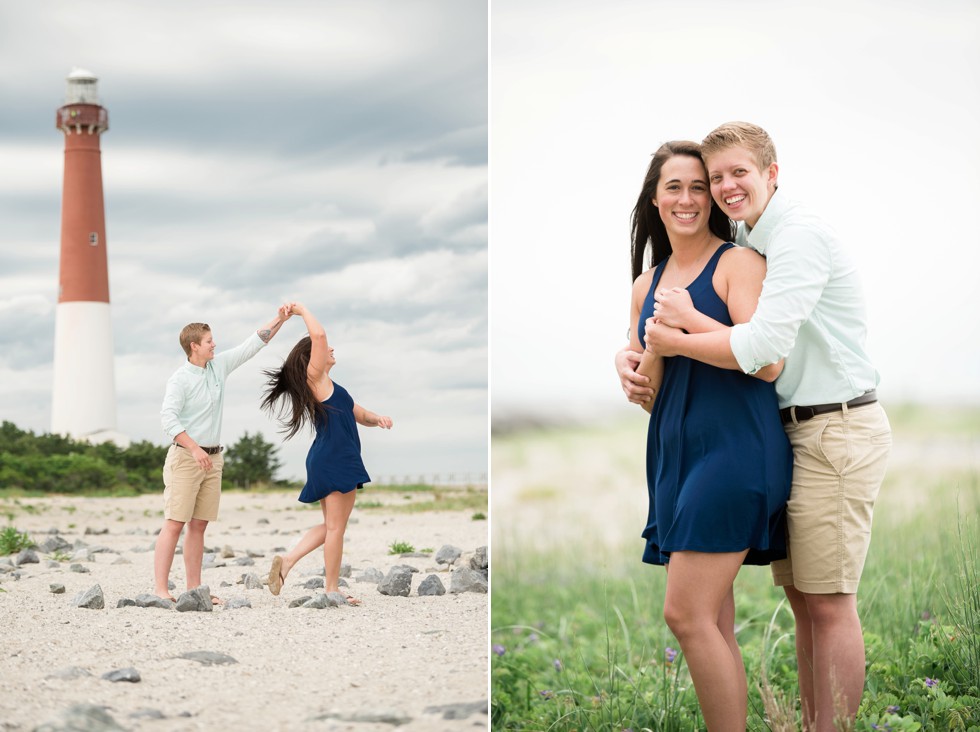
(766, 443)
(299, 393)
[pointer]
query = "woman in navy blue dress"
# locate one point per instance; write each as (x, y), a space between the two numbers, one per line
(718, 461)
(334, 470)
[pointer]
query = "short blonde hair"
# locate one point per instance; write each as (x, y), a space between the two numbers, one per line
(192, 333)
(741, 134)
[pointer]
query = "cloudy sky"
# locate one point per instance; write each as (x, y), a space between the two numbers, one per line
(329, 152)
(873, 106)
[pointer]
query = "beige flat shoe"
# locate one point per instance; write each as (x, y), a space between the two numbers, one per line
(276, 579)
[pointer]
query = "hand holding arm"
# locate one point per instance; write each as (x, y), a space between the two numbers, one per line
(635, 385)
(650, 365)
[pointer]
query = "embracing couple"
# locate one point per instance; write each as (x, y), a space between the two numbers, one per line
(300, 393)
(766, 442)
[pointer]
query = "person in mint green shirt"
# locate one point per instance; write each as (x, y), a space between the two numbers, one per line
(193, 405)
(811, 313)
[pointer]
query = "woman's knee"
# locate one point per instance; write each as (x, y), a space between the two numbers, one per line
(681, 620)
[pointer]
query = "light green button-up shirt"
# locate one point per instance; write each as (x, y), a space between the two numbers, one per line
(195, 398)
(811, 311)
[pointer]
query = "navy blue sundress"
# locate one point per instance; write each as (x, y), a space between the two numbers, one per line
(334, 460)
(719, 464)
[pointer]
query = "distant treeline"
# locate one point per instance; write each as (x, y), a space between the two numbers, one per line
(57, 464)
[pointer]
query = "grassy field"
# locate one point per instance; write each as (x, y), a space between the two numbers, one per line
(577, 633)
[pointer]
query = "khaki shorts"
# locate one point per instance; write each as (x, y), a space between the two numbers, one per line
(839, 462)
(189, 492)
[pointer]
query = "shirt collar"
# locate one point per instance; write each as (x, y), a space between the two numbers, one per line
(195, 370)
(759, 236)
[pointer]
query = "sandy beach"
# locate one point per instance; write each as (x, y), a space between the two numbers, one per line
(412, 663)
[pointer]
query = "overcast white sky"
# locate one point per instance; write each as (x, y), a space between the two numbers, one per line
(873, 107)
(329, 152)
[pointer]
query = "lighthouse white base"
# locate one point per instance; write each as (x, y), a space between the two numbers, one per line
(84, 398)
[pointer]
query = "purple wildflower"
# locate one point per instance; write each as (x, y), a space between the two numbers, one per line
(557, 664)
(931, 682)
(547, 694)
(893, 709)
(533, 638)
(670, 654)
(498, 649)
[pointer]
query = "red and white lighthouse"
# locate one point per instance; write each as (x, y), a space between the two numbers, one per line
(84, 397)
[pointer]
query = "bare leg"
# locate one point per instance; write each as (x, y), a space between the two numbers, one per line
(804, 653)
(312, 539)
(336, 510)
(163, 556)
(838, 658)
(726, 626)
(698, 588)
(194, 551)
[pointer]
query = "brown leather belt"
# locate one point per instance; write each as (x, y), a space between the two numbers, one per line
(802, 414)
(208, 450)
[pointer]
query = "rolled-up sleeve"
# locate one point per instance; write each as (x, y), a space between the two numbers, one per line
(173, 402)
(799, 263)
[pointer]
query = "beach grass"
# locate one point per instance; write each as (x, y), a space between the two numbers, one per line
(578, 640)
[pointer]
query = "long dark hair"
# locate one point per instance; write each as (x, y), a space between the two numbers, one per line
(646, 224)
(289, 384)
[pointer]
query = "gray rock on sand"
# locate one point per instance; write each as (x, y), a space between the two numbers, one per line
(479, 559)
(56, 588)
(448, 554)
(79, 568)
(196, 600)
(464, 579)
(391, 717)
(253, 581)
(126, 602)
(300, 601)
(459, 711)
(53, 544)
(147, 600)
(208, 658)
(398, 582)
(245, 562)
(27, 556)
(227, 552)
(237, 602)
(313, 583)
(430, 586)
(129, 674)
(331, 599)
(371, 575)
(82, 718)
(147, 714)
(92, 599)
